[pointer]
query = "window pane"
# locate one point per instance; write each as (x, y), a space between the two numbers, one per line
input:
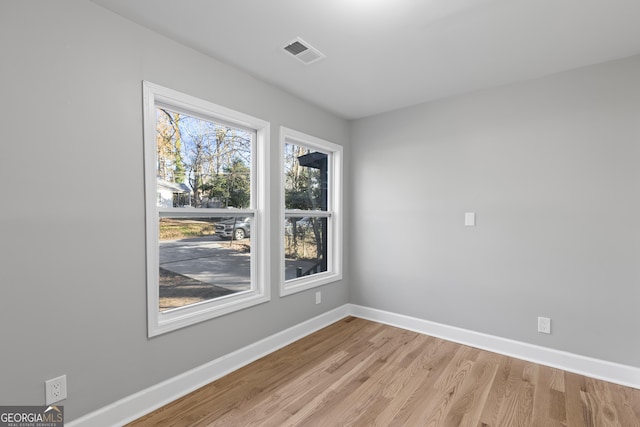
(201, 163)
(203, 259)
(305, 178)
(305, 246)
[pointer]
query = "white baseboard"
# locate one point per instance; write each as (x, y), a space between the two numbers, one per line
(595, 368)
(135, 406)
(145, 401)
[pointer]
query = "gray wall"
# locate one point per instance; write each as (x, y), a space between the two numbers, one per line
(551, 168)
(72, 243)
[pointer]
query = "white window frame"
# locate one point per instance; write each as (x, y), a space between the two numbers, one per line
(333, 213)
(162, 322)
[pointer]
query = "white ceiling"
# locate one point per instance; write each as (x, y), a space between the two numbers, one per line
(387, 54)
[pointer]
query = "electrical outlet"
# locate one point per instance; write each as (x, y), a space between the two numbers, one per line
(544, 325)
(55, 390)
(318, 297)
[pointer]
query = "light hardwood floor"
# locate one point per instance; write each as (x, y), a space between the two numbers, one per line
(361, 373)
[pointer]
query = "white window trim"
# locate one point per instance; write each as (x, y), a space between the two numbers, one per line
(334, 250)
(161, 322)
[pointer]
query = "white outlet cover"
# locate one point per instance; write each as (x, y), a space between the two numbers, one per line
(544, 325)
(55, 390)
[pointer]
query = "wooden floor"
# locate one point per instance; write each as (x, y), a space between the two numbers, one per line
(360, 373)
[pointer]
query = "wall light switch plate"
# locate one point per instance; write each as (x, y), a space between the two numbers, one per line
(470, 219)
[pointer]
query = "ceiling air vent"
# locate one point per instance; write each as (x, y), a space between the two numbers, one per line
(303, 51)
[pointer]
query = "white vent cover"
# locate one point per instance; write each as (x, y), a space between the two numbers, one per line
(303, 51)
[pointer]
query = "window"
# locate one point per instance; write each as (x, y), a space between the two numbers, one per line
(311, 211)
(206, 212)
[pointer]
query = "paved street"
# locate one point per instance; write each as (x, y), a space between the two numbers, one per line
(211, 260)
(207, 259)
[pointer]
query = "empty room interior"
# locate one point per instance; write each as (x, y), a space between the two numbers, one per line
(328, 212)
